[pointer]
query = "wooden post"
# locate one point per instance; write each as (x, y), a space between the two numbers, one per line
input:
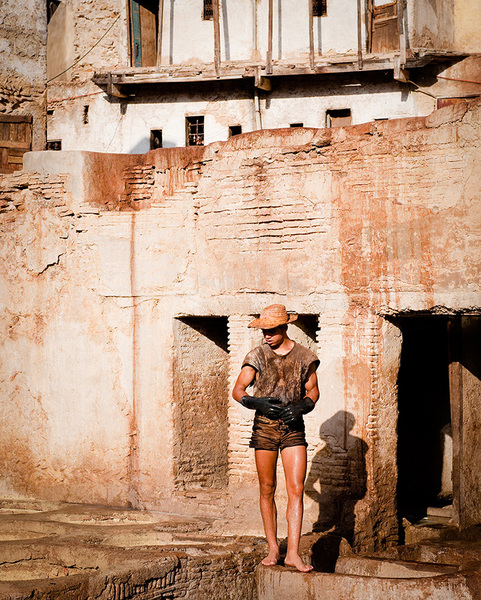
(456, 400)
(215, 10)
(369, 25)
(402, 33)
(359, 34)
(269, 38)
(160, 21)
(311, 36)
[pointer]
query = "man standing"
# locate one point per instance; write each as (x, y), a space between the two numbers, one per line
(283, 375)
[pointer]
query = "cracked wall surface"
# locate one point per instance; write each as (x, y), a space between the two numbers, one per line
(23, 38)
(102, 253)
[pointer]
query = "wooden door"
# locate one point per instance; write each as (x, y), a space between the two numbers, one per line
(143, 29)
(384, 28)
(15, 140)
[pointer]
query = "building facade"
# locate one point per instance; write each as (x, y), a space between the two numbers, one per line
(151, 73)
(133, 279)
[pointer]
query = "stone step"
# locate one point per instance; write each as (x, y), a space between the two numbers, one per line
(281, 583)
(385, 567)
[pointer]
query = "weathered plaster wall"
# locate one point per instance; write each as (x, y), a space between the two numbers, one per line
(347, 225)
(23, 28)
(117, 126)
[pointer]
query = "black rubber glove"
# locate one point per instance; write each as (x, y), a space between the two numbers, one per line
(267, 406)
(294, 412)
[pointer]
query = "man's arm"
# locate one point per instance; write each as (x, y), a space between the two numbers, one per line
(246, 377)
(312, 390)
(267, 406)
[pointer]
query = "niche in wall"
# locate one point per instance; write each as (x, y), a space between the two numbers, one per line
(201, 393)
(304, 331)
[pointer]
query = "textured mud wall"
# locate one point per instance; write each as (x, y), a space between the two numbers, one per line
(200, 377)
(348, 226)
(23, 38)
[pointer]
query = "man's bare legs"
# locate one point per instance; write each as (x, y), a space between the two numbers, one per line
(294, 461)
(266, 463)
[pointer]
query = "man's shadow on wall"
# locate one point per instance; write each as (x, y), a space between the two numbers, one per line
(337, 479)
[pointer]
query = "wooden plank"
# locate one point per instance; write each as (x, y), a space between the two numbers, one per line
(15, 160)
(402, 33)
(269, 38)
(311, 35)
(3, 160)
(21, 145)
(215, 10)
(148, 34)
(359, 34)
(13, 132)
(135, 32)
(4, 131)
(160, 24)
(15, 118)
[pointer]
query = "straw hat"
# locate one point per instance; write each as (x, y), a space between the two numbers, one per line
(273, 316)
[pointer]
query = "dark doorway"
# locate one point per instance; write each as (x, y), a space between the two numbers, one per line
(424, 416)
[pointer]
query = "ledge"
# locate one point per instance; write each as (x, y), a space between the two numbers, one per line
(120, 82)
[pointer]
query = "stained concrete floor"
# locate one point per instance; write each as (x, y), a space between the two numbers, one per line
(71, 551)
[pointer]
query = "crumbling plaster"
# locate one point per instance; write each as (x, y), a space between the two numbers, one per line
(23, 29)
(352, 225)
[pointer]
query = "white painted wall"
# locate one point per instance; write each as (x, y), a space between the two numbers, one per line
(125, 127)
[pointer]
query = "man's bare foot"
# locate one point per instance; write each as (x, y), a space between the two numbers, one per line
(271, 559)
(297, 562)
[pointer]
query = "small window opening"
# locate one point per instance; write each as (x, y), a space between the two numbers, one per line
(319, 8)
(235, 130)
(155, 138)
(54, 145)
(296, 125)
(85, 117)
(194, 131)
(338, 118)
(52, 6)
(50, 111)
(208, 11)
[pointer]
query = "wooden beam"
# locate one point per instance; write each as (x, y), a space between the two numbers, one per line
(269, 37)
(402, 33)
(215, 10)
(370, 8)
(160, 23)
(311, 35)
(359, 34)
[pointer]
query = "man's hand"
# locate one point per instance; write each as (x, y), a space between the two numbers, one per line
(294, 412)
(267, 406)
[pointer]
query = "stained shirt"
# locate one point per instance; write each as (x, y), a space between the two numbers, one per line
(283, 377)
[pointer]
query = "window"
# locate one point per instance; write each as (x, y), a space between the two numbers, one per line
(194, 131)
(296, 125)
(338, 118)
(155, 138)
(208, 11)
(319, 8)
(85, 117)
(54, 145)
(143, 32)
(235, 130)
(52, 6)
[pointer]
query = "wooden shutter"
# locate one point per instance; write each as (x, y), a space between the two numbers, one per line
(15, 140)
(143, 23)
(385, 28)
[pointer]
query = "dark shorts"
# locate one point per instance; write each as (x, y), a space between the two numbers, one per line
(274, 434)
